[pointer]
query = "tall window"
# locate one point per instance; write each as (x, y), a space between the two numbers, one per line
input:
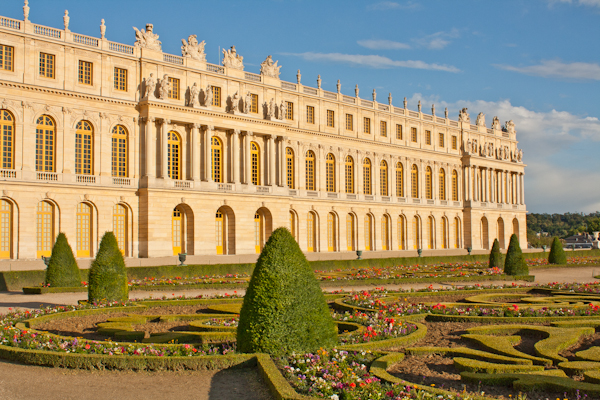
(350, 232)
(349, 122)
(310, 170)
(310, 114)
(7, 139)
(294, 224)
(385, 233)
(120, 79)
(401, 232)
(174, 155)
(454, 143)
(444, 233)
(5, 229)
(431, 232)
(47, 65)
(454, 185)
(255, 163)
(44, 144)
(220, 232)
(417, 232)
(173, 89)
(399, 180)
(259, 231)
(177, 226)
(413, 134)
(442, 143)
(119, 152)
(311, 227)
(367, 176)
(44, 228)
(84, 229)
(428, 184)
(85, 72)
(456, 233)
(330, 118)
(414, 182)
(398, 131)
(254, 103)
(120, 226)
(428, 137)
(330, 173)
(349, 173)
(289, 111)
(289, 163)
(216, 148)
(442, 184)
(367, 125)
(383, 128)
(485, 243)
(216, 92)
(368, 232)
(331, 232)
(383, 178)
(6, 57)
(83, 148)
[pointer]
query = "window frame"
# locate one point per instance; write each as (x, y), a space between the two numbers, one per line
(289, 112)
(7, 62)
(414, 135)
(399, 131)
(120, 79)
(428, 137)
(366, 125)
(454, 142)
(442, 139)
(383, 128)
(47, 66)
(216, 96)
(254, 103)
(349, 122)
(85, 75)
(174, 88)
(330, 119)
(310, 115)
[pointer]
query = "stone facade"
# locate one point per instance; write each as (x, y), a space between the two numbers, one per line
(168, 185)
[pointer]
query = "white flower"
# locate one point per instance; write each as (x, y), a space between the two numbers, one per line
(335, 397)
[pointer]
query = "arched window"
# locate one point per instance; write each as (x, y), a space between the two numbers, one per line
(349, 172)
(174, 156)
(220, 232)
(431, 229)
(515, 224)
(385, 233)
(294, 224)
(401, 232)
(44, 228)
(444, 233)
(216, 156)
(7, 139)
(259, 231)
(289, 163)
(383, 178)
(428, 184)
(454, 185)
(416, 232)
(457, 235)
(330, 173)
(120, 226)
(331, 232)
(177, 230)
(5, 229)
(399, 179)
(368, 232)
(310, 170)
(485, 242)
(350, 232)
(311, 231)
(45, 138)
(255, 163)
(367, 176)
(414, 182)
(119, 152)
(83, 148)
(84, 229)
(442, 184)
(500, 235)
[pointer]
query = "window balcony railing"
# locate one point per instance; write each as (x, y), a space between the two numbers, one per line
(401, 199)
(416, 201)
(263, 189)
(10, 23)
(385, 198)
(430, 202)
(293, 192)
(121, 181)
(45, 31)
(179, 184)
(86, 40)
(369, 197)
(46, 176)
(350, 196)
(332, 195)
(312, 193)
(225, 187)
(85, 179)
(8, 173)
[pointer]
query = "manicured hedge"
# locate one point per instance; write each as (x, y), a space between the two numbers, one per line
(470, 365)
(466, 352)
(407, 340)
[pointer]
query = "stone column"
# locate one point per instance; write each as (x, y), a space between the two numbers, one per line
(208, 129)
(150, 148)
(466, 181)
(271, 158)
(522, 176)
(235, 155)
(164, 172)
(195, 175)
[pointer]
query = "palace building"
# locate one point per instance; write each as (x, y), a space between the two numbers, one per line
(177, 155)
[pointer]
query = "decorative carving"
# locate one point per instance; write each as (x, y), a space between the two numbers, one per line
(192, 49)
(247, 103)
(339, 86)
(231, 59)
(235, 102)
(147, 39)
(319, 82)
(165, 85)
(419, 106)
(26, 11)
(390, 99)
(463, 116)
(282, 110)
(150, 84)
(356, 90)
(405, 103)
(374, 95)
(272, 109)
(66, 20)
(208, 96)
(270, 68)
(102, 29)
(194, 95)
(519, 155)
(298, 76)
(510, 127)
(433, 109)
(480, 119)
(446, 113)
(496, 124)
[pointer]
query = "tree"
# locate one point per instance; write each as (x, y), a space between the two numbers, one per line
(557, 253)
(514, 263)
(62, 270)
(108, 275)
(284, 309)
(495, 256)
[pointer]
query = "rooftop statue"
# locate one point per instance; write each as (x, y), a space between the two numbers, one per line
(463, 115)
(147, 39)
(510, 126)
(192, 49)
(480, 119)
(270, 68)
(496, 124)
(231, 59)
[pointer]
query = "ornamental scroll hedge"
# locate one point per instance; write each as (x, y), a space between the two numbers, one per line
(62, 270)
(284, 309)
(108, 275)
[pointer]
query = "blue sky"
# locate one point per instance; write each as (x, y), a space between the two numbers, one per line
(534, 61)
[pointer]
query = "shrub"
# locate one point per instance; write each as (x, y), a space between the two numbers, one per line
(495, 256)
(108, 276)
(515, 264)
(557, 253)
(284, 309)
(62, 270)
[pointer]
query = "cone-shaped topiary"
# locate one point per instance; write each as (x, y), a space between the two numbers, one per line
(108, 276)
(515, 263)
(62, 270)
(495, 256)
(557, 253)
(284, 309)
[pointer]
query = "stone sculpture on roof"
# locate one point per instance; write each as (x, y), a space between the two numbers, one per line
(231, 59)
(463, 115)
(480, 119)
(510, 126)
(496, 124)
(147, 39)
(270, 68)
(192, 49)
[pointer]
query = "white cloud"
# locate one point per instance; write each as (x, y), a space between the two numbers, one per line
(438, 40)
(373, 61)
(558, 69)
(392, 5)
(383, 44)
(591, 3)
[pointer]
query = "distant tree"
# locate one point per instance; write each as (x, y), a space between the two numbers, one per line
(557, 253)
(514, 263)
(495, 256)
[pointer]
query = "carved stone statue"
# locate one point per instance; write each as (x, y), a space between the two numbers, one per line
(247, 102)
(192, 49)
(102, 29)
(165, 85)
(231, 59)
(272, 109)
(235, 102)
(469, 146)
(510, 126)
(270, 68)
(433, 109)
(520, 155)
(405, 103)
(496, 124)
(475, 147)
(150, 87)
(66, 20)
(446, 113)
(208, 96)
(282, 110)
(194, 92)
(419, 106)
(490, 150)
(463, 116)
(480, 119)
(147, 39)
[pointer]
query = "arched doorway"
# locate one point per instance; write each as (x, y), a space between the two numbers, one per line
(262, 228)
(369, 232)
(350, 232)
(485, 241)
(332, 232)
(182, 230)
(225, 231)
(501, 233)
(515, 224)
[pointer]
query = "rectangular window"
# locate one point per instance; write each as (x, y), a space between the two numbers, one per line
(216, 91)
(413, 134)
(441, 139)
(289, 112)
(349, 122)
(85, 72)
(174, 88)
(6, 57)
(367, 127)
(310, 114)
(330, 118)
(121, 79)
(454, 142)
(428, 137)
(383, 128)
(398, 131)
(254, 103)
(47, 65)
